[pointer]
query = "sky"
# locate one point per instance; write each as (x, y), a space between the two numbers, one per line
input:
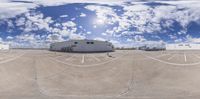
(38, 23)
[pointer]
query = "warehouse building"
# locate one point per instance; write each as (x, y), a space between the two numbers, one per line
(4, 47)
(82, 46)
(184, 46)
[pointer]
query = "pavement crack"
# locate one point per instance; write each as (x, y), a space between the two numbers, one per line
(130, 86)
(41, 92)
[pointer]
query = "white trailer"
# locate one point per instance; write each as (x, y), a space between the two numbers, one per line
(183, 46)
(82, 46)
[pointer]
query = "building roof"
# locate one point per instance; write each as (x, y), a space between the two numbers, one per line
(85, 40)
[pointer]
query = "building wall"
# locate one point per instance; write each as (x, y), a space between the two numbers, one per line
(4, 47)
(183, 47)
(82, 46)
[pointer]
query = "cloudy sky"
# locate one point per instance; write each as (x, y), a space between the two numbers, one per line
(37, 23)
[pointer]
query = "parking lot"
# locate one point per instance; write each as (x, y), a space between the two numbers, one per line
(123, 74)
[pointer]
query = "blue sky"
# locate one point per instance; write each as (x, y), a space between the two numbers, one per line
(37, 23)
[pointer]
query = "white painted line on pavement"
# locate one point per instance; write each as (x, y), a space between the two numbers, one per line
(171, 57)
(162, 55)
(185, 57)
(69, 58)
(96, 58)
(86, 66)
(83, 59)
(13, 58)
(197, 56)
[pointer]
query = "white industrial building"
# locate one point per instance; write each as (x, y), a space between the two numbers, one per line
(4, 47)
(152, 46)
(183, 46)
(82, 46)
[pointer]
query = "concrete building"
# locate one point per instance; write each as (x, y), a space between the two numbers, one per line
(82, 46)
(183, 46)
(4, 47)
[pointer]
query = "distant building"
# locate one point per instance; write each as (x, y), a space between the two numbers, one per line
(4, 47)
(82, 46)
(183, 46)
(152, 46)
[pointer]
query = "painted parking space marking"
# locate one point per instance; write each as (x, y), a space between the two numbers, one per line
(171, 57)
(196, 56)
(185, 57)
(69, 58)
(83, 59)
(164, 55)
(88, 65)
(96, 58)
(58, 56)
(12, 58)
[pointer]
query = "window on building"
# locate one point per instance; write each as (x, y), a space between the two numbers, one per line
(90, 42)
(75, 42)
